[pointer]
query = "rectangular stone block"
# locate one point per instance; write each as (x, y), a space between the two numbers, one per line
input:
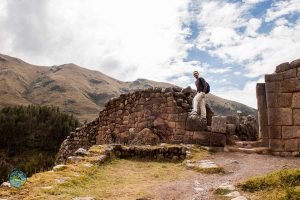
(263, 117)
(201, 137)
(291, 73)
(171, 124)
(289, 132)
(260, 89)
(230, 129)
(218, 124)
(231, 119)
(277, 144)
(274, 132)
(296, 100)
(217, 140)
(179, 132)
(280, 116)
(290, 85)
(291, 145)
(283, 67)
(298, 72)
(263, 132)
(279, 100)
(180, 125)
(261, 102)
(272, 87)
(296, 116)
(273, 77)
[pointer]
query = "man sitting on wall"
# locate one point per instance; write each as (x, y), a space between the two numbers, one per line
(202, 89)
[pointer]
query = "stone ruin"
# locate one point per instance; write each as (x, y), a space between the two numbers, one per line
(154, 116)
(278, 101)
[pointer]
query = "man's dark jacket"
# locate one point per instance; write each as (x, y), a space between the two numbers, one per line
(201, 85)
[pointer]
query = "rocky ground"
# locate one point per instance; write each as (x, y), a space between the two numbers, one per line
(238, 167)
(196, 178)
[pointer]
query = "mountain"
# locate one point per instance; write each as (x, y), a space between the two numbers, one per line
(76, 90)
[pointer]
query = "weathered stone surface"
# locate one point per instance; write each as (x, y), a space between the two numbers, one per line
(217, 140)
(59, 167)
(201, 137)
(280, 116)
(295, 63)
(272, 87)
(296, 116)
(195, 123)
(218, 124)
(146, 136)
(296, 100)
(230, 129)
(290, 85)
(277, 144)
(274, 132)
(298, 71)
(283, 67)
(289, 132)
(81, 152)
(291, 145)
(279, 100)
(273, 77)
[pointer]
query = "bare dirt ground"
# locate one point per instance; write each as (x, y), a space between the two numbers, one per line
(238, 167)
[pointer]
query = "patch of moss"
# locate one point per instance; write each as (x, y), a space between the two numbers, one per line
(282, 178)
(220, 191)
(214, 170)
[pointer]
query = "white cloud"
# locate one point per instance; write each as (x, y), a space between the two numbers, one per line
(125, 39)
(245, 95)
(281, 8)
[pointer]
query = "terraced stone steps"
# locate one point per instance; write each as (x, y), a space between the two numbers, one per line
(248, 147)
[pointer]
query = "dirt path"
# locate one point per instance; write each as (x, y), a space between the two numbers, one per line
(238, 166)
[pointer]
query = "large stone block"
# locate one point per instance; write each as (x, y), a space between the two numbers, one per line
(291, 145)
(289, 132)
(218, 124)
(296, 116)
(280, 116)
(295, 63)
(298, 71)
(272, 87)
(263, 132)
(230, 129)
(217, 140)
(274, 132)
(201, 137)
(277, 144)
(273, 77)
(261, 102)
(263, 117)
(291, 73)
(290, 85)
(279, 100)
(260, 89)
(283, 67)
(194, 123)
(231, 119)
(296, 100)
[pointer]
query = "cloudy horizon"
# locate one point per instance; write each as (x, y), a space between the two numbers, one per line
(232, 43)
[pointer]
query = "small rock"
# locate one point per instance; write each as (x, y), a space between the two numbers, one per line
(59, 167)
(198, 189)
(74, 159)
(83, 198)
(47, 187)
(227, 186)
(206, 164)
(233, 194)
(6, 184)
(239, 198)
(88, 165)
(59, 180)
(81, 152)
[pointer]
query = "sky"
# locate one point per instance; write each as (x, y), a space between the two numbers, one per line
(231, 43)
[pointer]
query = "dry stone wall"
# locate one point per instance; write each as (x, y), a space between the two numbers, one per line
(278, 101)
(151, 116)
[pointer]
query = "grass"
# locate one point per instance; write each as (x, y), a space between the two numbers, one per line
(116, 179)
(213, 170)
(279, 185)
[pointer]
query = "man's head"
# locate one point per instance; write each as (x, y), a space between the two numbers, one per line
(196, 74)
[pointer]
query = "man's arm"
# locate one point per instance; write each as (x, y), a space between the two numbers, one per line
(203, 84)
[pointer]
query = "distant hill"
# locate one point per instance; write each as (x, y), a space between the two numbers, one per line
(76, 90)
